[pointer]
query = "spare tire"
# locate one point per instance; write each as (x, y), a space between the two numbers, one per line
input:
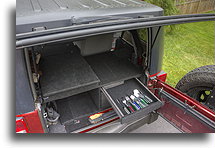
(198, 84)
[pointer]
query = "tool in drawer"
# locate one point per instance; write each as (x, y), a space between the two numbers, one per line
(141, 95)
(135, 100)
(131, 103)
(128, 105)
(150, 100)
(143, 101)
(140, 101)
(137, 106)
(124, 105)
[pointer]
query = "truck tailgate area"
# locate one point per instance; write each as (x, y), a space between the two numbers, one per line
(159, 126)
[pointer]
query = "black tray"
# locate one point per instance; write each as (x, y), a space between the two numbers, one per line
(124, 89)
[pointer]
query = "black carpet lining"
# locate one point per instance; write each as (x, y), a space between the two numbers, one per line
(110, 68)
(66, 72)
(75, 106)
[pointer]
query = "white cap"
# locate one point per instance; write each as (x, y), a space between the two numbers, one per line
(136, 91)
(132, 97)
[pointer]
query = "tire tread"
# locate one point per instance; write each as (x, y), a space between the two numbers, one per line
(204, 75)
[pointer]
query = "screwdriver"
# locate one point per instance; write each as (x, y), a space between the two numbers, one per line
(95, 118)
(123, 106)
(141, 100)
(128, 106)
(150, 100)
(134, 102)
(138, 101)
(146, 98)
(131, 104)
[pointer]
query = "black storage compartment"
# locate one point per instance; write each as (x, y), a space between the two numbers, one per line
(75, 110)
(66, 74)
(113, 67)
(82, 86)
(126, 88)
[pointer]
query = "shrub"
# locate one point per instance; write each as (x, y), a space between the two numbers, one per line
(169, 9)
(168, 6)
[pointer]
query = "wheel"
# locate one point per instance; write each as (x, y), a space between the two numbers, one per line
(199, 84)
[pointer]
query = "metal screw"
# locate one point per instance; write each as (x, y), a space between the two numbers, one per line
(45, 115)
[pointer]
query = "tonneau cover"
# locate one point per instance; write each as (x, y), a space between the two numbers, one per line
(63, 13)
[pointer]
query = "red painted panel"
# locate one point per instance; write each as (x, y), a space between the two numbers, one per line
(32, 121)
(176, 115)
(184, 121)
(184, 98)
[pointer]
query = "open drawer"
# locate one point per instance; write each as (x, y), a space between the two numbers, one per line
(128, 109)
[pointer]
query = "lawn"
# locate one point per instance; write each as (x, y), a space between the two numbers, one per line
(188, 47)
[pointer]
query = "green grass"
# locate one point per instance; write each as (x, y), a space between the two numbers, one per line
(188, 47)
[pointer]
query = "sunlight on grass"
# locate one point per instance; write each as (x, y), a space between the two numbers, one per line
(190, 46)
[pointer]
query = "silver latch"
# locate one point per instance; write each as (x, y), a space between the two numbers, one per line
(39, 28)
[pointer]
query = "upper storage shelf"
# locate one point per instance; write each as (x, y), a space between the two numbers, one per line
(66, 74)
(111, 68)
